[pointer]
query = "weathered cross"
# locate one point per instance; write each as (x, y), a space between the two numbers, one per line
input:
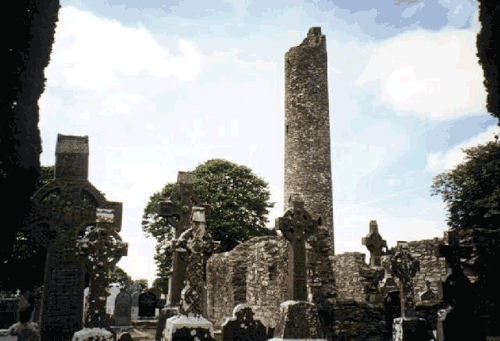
(374, 243)
(198, 245)
(60, 211)
(404, 267)
(177, 210)
(296, 226)
(456, 283)
(103, 247)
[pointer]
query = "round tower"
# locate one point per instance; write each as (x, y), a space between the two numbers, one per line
(307, 128)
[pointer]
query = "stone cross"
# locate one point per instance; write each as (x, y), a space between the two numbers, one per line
(197, 244)
(60, 212)
(456, 281)
(177, 210)
(404, 267)
(103, 247)
(374, 243)
(296, 226)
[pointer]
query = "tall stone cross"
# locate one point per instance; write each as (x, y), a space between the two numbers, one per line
(296, 226)
(61, 211)
(197, 245)
(404, 267)
(374, 243)
(177, 210)
(103, 248)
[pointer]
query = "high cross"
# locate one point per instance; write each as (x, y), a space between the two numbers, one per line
(404, 267)
(61, 211)
(297, 225)
(177, 210)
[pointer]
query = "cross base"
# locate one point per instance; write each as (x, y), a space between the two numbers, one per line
(188, 328)
(409, 329)
(298, 320)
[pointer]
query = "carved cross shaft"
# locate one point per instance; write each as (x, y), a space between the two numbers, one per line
(104, 248)
(296, 226)
(404, 267)
(177, 210)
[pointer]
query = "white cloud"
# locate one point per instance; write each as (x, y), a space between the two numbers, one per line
(434, 75)
(439, 162)
(91, 52)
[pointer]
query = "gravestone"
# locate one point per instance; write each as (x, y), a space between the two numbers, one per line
(8, 311)
(375, 244)
(110, 302)
(135, 305)
(298, 318)
(242, 326)
(196, 244)
(407, 327)
(388, 283)
(177, 210)
(454, 322)
(123, 309)
(147, 305)
(296, 226)
(392, 310)
(61, 210)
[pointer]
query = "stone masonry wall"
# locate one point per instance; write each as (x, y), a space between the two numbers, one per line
(432, 268)
(350, 284)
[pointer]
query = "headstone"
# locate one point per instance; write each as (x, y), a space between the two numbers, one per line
(123, 309)
(392, 310)
(110, 302)
(296, 226)
(60, 211)
(177, 210)
(407, 327)
(242, 326)
(8, 312)
(135, 305)
(375, 244)
(147, 305)
(197, 244)
(388, 283)
(454, 322)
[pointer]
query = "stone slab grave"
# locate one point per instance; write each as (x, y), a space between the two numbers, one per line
(407, 327)
(8, 311)
(122, 315)
(298, 318)
(242, 326)
(196, 243)
(60, 214)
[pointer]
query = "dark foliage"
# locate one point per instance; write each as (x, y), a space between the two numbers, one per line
(471, 191)
(487, 44)
(27, 44)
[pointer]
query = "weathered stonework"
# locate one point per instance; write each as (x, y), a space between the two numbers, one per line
(350, 284)
(307, 128)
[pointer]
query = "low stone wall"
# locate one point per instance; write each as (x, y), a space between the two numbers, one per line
(359, 321)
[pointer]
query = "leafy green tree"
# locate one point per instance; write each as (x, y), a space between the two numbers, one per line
(238, 200)
(143, 283)
(162, 284)
(119, 276)
(471, 191)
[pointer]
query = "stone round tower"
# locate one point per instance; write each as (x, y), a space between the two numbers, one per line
(307, 128)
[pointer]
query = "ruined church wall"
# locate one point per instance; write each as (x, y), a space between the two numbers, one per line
(347, 269)
(432, 268)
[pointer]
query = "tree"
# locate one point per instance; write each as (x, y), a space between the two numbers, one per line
(26, 53)
(472, 190)
(143, 283)
(238, 200)
(119, 276)
(489, 59)
(162, 284)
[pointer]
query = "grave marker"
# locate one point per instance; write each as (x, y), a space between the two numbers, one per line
(242, 326)
(296, 226)
(374, 243)
(147, 305)
(61, 210)
(123, 309)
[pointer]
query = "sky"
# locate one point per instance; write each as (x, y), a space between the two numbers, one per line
(163, 86)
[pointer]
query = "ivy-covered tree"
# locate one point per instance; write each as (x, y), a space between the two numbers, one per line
(471, 191)
(118, 276)
(27, 39)
(238, 200)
